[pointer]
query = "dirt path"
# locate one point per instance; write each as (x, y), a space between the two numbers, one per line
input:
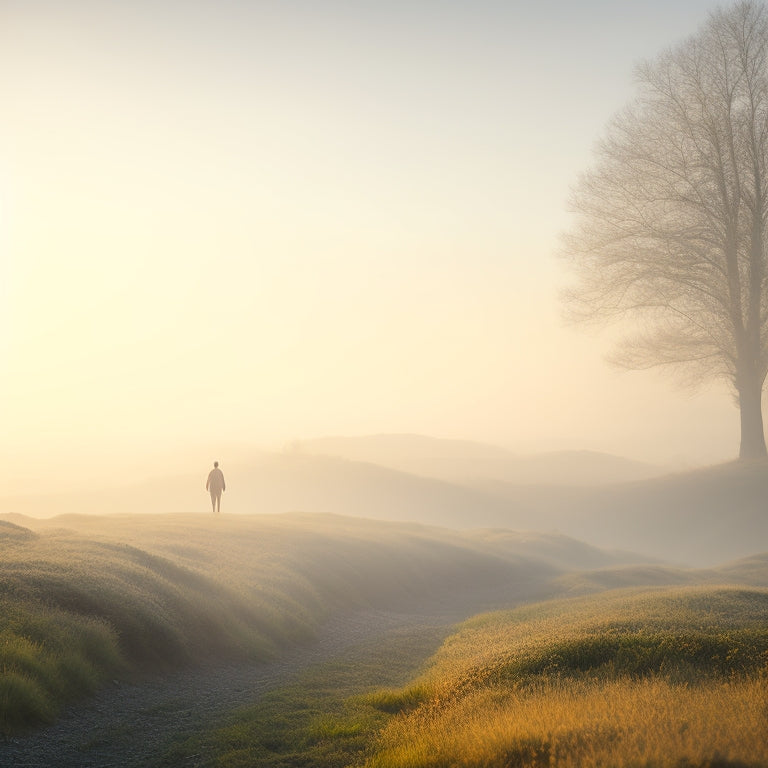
(131, 726)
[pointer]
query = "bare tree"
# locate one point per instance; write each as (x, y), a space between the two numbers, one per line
(671, 222)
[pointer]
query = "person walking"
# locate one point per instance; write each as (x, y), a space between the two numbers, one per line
(215, 485)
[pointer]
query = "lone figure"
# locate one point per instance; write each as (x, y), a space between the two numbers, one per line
(215, 485)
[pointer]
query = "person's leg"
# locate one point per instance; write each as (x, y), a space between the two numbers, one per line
(213, 502)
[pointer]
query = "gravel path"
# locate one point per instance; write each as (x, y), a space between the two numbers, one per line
(131, 725)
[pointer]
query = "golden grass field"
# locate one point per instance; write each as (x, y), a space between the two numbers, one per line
(662, 677)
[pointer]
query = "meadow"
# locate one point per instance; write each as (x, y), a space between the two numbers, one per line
(88, 599)
(661, 677)
(650, 676)
(603, 662)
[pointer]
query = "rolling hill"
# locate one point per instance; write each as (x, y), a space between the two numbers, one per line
(694, 518)
(700, 518)
(466, 462)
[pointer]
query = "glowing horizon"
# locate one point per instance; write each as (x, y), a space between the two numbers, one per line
(254, 223)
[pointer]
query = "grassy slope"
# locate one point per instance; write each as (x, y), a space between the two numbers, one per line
(84, 598)
(565, 679)
(665, 677)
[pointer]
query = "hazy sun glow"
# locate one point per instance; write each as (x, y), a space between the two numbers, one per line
(256, 222)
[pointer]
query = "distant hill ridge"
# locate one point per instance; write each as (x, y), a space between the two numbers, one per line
(465, 461)
(698, 518)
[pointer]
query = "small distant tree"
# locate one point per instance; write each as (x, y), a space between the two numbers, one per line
(670, 229)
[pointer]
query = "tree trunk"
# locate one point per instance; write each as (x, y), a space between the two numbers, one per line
(750, 407)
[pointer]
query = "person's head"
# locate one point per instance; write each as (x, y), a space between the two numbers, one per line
(215, 464)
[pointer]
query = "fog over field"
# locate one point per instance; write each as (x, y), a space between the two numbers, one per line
(319, 245)
(328, 325)
(236, 223)
(698, 517)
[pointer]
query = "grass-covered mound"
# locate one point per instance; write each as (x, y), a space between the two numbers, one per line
(625, 678)
(83, 599)
(48, 656)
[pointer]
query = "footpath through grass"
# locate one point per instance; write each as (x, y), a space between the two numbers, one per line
(661, 678)
(87, 599)
(654, 678)
(325, 718)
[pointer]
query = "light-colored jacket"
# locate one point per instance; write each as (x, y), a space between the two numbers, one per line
(215, 482)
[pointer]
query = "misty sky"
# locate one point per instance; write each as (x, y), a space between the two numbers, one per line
(257, 221)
